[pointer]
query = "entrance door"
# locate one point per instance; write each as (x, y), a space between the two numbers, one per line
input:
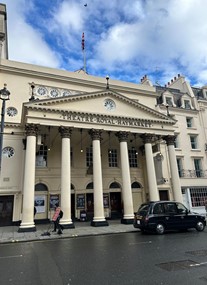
(6, 210)
(115, 204)
(72, 206)
(163, 195)
(89, 206)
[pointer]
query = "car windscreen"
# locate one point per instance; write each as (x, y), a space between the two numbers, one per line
(143, 209)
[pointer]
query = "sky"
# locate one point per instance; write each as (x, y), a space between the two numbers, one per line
(123, 39)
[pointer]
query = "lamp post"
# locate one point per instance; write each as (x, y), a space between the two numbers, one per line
(4, 96)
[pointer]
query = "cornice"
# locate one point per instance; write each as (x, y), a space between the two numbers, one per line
(64, 76)
(104, 116)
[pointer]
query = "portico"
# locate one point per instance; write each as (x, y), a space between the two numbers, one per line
(67, 116)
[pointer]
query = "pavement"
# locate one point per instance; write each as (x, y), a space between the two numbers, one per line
(10, 234)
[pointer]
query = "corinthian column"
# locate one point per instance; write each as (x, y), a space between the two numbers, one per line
(99, 218)
(27, 223)
(170, 140)
(66, 221)
(151, 176)
(128, 216)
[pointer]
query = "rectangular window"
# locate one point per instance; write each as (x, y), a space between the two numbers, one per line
(189, 122)
(187, 104)
(198, 170)
(169, 101)
(176, 144)
(179, 164)
(112, 157)
(41, 156)
(198, 196)
(133, 157)
(89, 156)
(193, 141)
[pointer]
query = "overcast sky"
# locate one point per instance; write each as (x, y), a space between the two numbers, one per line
(124, 39)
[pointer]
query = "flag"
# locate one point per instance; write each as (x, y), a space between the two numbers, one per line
(83, 42)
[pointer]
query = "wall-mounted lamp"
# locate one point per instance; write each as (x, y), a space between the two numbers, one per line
(81, 132)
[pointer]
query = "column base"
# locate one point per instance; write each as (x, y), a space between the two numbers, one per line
(127, 221)
(68, 226)
(27, 230)
(99, 223)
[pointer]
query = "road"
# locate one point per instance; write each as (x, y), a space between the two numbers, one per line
(122, 259)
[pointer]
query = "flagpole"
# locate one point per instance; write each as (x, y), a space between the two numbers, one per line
(84, 55)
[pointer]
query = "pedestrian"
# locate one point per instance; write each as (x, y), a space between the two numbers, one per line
(56, 219)
(35, 211)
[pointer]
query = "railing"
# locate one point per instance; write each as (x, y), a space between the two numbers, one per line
(183, 173)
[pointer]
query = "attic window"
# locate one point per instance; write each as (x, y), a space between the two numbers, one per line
(168, 99)
(186, 104)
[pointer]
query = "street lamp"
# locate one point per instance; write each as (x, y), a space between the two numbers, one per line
(4, 96)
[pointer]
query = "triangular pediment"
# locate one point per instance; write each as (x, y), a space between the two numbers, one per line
(105, 103)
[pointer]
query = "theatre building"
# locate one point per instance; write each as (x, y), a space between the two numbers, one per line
(92, 144)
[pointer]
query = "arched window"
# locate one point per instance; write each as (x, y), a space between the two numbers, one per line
(72, 187)
(114, 185)
(136, 185)
(41, 187)
(90, 185)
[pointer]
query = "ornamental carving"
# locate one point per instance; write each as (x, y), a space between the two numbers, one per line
(65, 132)
(170, 140)
(95, 134)
(31, 130)
(148, 138)
(122, 136)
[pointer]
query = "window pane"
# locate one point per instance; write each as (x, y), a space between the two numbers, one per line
(41, 156)
(89, 156)
(169, 101)
(132, 157)
(193, 142)
(187, 104)
(198, 170)
(112, 157)
(189, 122)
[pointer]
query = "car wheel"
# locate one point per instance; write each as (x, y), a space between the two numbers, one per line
(200, 226)
(160, 229)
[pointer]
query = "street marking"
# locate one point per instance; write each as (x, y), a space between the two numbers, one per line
(142, 242)
(12, 256)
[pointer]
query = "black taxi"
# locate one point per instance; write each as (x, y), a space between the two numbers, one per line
(161, 216)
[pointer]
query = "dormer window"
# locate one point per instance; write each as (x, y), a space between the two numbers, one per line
(169, 101)
(186, 103)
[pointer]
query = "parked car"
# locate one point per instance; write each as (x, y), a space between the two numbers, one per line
(163, 216)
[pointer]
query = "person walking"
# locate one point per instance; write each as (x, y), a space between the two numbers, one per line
(56, 219)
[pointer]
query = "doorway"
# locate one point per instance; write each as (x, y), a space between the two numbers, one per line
(89, 206)
(115, 204)
(6, 210)
(163, 195)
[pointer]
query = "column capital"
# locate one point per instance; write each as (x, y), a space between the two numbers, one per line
(95, 134)
(65, 132)
(148, 138)
(122, 136)
(31, 130)
(170, 140)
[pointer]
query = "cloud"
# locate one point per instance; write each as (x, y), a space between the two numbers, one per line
(123, 38)
(26, 43)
